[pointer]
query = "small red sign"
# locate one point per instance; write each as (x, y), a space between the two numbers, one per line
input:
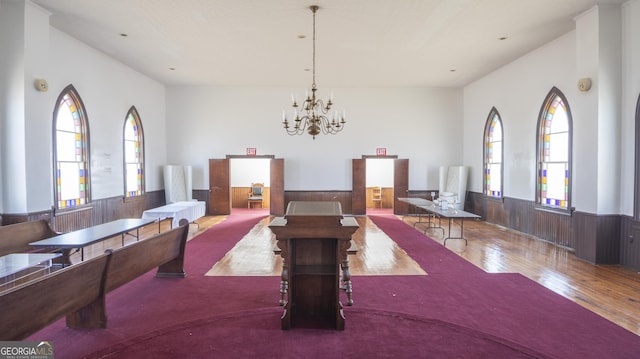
(251, 151)
(381, 151)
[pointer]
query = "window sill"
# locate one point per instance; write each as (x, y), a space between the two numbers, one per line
(494, 199)
(560, 211)
(133, 199)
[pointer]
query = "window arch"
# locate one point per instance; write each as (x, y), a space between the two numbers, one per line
(554, 142)
(133, 142)
(71, 151)
(493, 155)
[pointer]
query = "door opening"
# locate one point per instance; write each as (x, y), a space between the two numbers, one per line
(379, 184)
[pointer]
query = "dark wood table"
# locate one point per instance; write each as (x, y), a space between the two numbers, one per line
(314, 238)
(87, 236)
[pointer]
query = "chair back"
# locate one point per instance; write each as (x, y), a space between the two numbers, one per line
(256, 189)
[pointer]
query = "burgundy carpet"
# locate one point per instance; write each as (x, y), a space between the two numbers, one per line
(457, 311)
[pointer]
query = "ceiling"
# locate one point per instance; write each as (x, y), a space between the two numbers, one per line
(360, 43)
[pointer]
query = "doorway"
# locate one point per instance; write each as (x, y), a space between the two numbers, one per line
(359, 184)
(244, 173)
(220, 187)
(379, 184)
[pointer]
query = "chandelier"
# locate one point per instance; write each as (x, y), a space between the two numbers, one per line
(313, 114)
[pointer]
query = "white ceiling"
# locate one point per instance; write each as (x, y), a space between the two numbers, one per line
(360, 43)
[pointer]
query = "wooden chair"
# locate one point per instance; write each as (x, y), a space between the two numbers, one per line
(376, 197)
(255, 195)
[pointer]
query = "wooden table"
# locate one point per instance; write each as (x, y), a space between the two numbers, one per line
(85, 237)
(18, 267)
(314, 238)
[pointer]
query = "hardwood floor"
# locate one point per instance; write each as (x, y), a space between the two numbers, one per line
(610, 291)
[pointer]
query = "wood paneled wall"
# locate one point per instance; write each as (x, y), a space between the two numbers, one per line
(98, 212)
(239, 196)
(387, 197)
(595, 238)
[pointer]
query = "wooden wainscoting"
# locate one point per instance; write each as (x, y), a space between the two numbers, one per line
(595, 238)
(239, 196)
(97, 212)
(387, 197)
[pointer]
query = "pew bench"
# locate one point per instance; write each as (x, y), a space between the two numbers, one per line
(15, 238)
(31, 306)
(79, 290)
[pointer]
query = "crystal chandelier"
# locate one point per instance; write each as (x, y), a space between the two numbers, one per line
(313, 114)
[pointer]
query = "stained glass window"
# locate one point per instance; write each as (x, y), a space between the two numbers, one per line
(554, 149)
(71, 151)
(133, 155)
(493, 155)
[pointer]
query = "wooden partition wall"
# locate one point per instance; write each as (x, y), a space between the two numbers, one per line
(239, 196)
(387, 197)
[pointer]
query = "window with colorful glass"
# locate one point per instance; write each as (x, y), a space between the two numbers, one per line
(133, 155)
(554, 152)
(71, 152)
(493, 146)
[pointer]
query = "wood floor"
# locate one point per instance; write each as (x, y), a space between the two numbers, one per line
(610, 291)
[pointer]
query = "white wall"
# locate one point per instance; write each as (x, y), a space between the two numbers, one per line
(12, 107)
(629, 99)
(245, 171)
(421, 124)
(602, 140)
(380, 172)
(108, 89)
(517, 91)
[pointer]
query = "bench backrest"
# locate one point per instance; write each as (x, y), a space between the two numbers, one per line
(31, 306)
(15, 238)
(133, 260)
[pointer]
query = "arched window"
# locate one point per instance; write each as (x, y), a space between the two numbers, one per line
(554, 152)
(71, 151)
(493, 155)
(133, 155)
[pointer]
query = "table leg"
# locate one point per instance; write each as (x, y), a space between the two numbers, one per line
(461, 232)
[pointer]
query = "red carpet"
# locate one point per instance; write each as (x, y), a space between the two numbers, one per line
(457, 311)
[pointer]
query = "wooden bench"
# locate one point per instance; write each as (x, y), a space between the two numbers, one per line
(31, 306)
(78, 291)
(15, 238)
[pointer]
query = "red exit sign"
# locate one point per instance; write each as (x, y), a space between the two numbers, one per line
(381, 151)
(251, 151)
